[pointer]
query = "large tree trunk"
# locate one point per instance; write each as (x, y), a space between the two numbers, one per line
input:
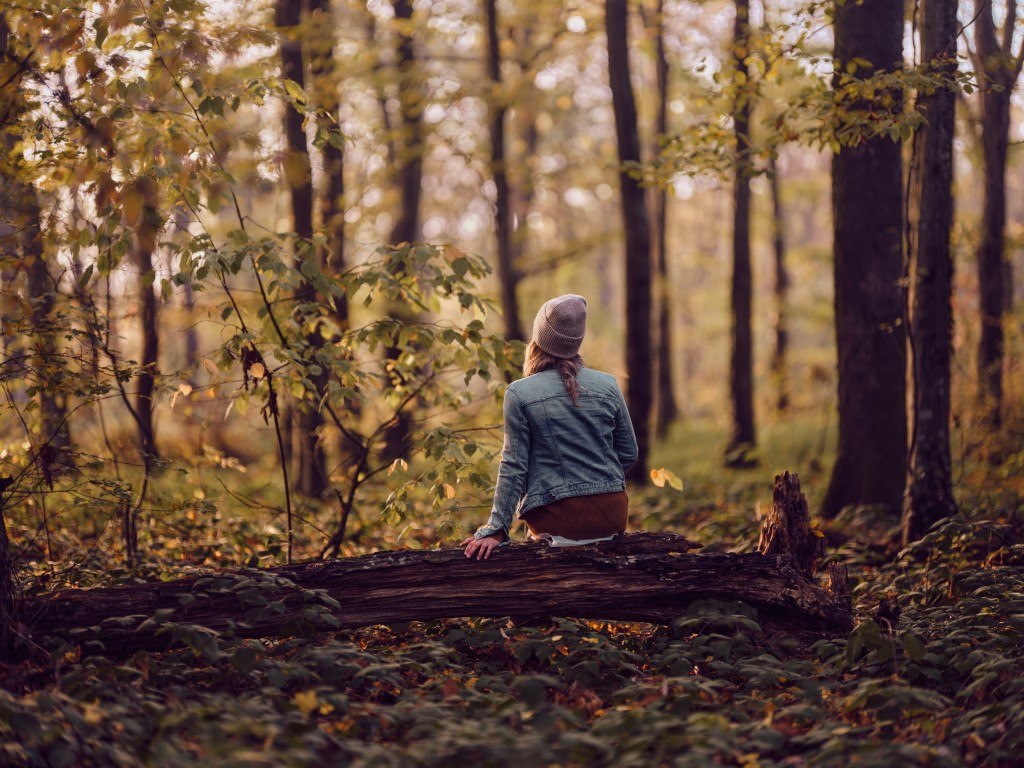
(639, 577)
(868, 213)
(998, 72)
(666, 410)
(311, 477)
(638, 235)
(507, 271)
(780, 355)
(741, 366)
(929, 494)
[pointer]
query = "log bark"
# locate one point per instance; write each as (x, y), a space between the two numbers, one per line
(787, 528)
(648, 577)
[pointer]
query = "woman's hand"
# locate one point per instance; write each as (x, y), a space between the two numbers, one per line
(481, 548)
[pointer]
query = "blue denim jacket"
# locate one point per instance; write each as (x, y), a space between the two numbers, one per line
(555, 449)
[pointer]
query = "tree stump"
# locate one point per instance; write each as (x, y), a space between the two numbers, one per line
(787, 528)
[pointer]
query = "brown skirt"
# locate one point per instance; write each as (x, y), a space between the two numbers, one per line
(581, 517)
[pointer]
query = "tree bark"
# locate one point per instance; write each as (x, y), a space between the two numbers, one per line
(21, 231)
(780, 355)
(929, 494)
(868, 215)
(325, 93)
(666, 410)
(508, 274)
(638, 235)
(410, 183)
(143, 247)
(640, 577)
(787, 527)
(998, 72)
(743, 437)
(311, 476)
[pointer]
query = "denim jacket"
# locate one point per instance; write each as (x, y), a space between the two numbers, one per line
(554, 449)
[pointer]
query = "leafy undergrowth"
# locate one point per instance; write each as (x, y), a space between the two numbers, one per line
(934, 677)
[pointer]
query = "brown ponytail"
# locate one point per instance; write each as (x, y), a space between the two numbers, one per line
(538, 360)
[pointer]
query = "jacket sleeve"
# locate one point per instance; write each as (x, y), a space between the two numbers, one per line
(623, 439)
(515, 455)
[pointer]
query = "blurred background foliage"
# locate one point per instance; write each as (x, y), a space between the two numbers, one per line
(264, 275)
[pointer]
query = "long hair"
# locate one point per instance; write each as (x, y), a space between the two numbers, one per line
(538, 360)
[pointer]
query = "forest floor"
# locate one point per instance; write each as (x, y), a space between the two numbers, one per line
(945, 687)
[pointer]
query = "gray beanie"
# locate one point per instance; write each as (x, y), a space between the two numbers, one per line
(559, 325)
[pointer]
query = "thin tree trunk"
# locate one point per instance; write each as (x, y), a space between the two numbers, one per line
(667, 410)
(741, 367)
(21, 225)
(142, 254)
(508, 275)
(410, 182)
(311, 478)
(638, 233)
(325, 84)
(929, 494)
(999, 71)
(522, 184)
(780, 355)
(868, 216)
(325, 92)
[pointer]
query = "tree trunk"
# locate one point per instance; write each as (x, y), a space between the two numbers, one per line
(508, 275)
(410, 183)
(639, 577)
(638, 234)
(666, 410)
(868, 215)
(998, 72)
(741, 367)
(787, 527)
(143, 247)
(929, 495)
(21, 231)
(325, 94)
(311, 475)
(780, 362)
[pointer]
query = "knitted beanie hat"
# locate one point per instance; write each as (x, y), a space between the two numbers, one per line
(559, 325)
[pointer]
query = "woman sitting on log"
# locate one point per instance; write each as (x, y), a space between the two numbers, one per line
(568, 442)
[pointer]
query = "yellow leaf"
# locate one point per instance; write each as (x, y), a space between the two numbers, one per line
(296, 169)
(658, 477)
(210, 366)
(92, 714)
(258, 371)
(84, 63)
(449, 490)
(185, 388)
(306, 701)
(131, 206)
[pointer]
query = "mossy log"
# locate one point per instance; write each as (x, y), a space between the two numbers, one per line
(648, 577)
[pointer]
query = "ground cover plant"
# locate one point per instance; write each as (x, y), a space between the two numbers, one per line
(931, 675)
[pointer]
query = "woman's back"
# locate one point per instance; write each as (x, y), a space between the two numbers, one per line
(575, 448)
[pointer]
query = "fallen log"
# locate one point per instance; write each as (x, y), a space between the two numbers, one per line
(649, 577)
